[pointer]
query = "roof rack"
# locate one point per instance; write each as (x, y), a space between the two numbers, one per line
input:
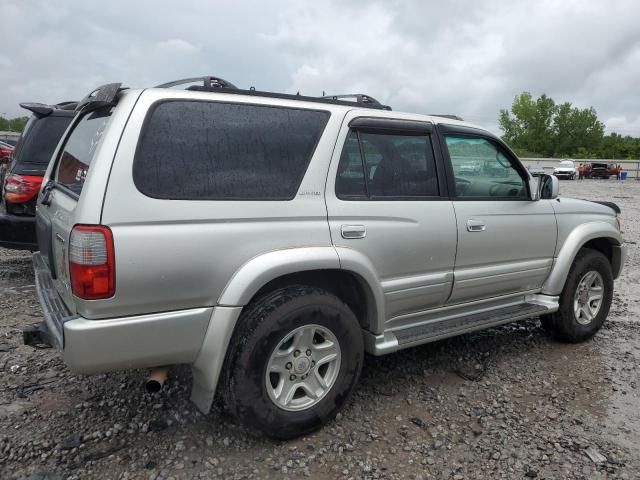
(451, 117)
(207, 81)
(103, 96)
(332, 99)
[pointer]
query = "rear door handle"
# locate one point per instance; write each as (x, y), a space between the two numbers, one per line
(476, 226)
(353, 231)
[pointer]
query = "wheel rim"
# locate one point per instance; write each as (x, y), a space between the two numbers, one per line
(303, 367)
(588, 297)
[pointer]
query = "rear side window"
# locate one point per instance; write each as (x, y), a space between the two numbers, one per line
(378, 166)
(192, 150)
(39, 140)
(79, 149)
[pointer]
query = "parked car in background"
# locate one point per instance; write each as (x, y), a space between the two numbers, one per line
(6, 151)
(600, 170)
(23, 176)
(10, 137)
(535, 170)
(258, 244)
(566, 169)
(469, 168)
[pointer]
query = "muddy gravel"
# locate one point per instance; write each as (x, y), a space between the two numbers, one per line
(510, 402)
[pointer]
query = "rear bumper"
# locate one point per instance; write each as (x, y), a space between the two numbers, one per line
(93, 346)
(18, 232)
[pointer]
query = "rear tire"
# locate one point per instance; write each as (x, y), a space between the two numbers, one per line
(585, 300)
(293, 362)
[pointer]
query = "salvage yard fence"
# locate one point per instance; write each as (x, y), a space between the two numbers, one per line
(632, 167)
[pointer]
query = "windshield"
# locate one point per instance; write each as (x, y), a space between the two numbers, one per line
(566, 164)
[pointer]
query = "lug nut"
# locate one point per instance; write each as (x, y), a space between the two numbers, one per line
(292, 377)
(288, 366)
(308, 352)
(296, 353)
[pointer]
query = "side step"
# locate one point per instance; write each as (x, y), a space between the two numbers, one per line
(393, 340)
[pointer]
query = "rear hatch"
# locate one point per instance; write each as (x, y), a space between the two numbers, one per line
(58, 201)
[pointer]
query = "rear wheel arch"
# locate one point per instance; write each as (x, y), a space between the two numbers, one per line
(348, 286)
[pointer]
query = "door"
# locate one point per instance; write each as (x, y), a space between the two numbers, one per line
(506, 241)
(387, 206)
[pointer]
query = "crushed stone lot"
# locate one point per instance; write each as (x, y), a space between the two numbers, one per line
(510, 402)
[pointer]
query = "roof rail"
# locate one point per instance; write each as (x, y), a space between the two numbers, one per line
(332, 100)
(103, 96)
(451, 117)
(357, 98)
(207, 81)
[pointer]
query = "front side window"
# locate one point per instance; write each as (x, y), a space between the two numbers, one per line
(194, 150)
(80, 148)
(482, 170)
(377, 166)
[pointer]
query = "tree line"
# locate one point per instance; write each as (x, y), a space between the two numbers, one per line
(12, 124)
(539, 127)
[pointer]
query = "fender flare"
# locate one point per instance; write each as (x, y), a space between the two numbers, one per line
(572, 245)
(263, 268)
(247, 281)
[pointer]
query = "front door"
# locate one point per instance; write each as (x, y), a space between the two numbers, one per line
(506, 241)
(387, 203)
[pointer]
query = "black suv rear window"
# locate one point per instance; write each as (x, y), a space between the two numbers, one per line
(194, 150)
(39, 140)
(79, 149)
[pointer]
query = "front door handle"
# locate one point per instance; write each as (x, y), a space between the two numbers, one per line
(476, 226)
(353, 231)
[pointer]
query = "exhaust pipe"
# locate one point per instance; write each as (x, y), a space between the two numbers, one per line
(156, 379)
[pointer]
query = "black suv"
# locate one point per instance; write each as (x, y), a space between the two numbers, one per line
(21, 182)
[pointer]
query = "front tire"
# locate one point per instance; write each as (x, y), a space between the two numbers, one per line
(585, 300)
(293, 361)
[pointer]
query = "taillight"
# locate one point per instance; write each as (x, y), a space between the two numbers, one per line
(21, 188)
(92, 262)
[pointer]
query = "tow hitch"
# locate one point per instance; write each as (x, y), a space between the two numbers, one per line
(37, 335)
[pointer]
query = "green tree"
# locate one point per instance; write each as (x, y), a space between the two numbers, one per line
(13, 124)
(542, 127)
(529, 125)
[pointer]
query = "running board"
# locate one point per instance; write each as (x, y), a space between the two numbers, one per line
(393, 340)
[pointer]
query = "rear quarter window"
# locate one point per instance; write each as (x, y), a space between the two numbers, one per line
(79, 149)
(195, 150)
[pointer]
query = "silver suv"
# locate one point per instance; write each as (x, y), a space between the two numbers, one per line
(270, 240)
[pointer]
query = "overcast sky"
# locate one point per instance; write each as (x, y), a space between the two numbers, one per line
(466, 58)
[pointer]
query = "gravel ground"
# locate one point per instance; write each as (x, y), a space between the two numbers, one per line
(510, 402)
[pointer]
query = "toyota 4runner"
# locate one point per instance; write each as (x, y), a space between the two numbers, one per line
(270, 240)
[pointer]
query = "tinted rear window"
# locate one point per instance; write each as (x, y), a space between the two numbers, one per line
(193, 150)
(39, 140)
(79, 149)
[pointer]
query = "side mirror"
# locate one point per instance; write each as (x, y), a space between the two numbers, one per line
(549, 187)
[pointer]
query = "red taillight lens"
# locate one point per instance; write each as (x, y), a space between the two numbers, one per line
(21, 188)
(92, 262)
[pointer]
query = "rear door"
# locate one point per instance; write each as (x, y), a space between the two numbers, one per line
(59, 199)
(506, 241)
(387, 202)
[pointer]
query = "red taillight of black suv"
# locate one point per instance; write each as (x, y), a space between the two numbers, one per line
(21, 188)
